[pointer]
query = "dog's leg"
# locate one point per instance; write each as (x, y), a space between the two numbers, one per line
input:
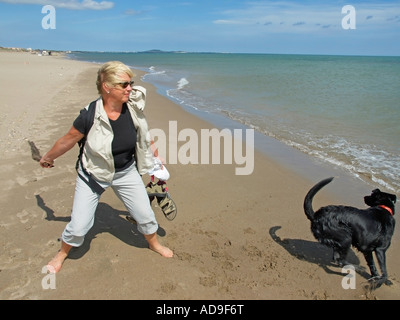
(381, 257)
(340, 254)
(376, 280)
(371, 264)
(340, 261)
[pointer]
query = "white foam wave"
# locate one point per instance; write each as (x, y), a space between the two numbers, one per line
(183, 82)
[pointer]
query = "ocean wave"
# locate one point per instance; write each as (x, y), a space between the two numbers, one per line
(185, 97)
(182, 83)
(153, 73)
(365, 162)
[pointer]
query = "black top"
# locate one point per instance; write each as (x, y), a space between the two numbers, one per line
(125, 137)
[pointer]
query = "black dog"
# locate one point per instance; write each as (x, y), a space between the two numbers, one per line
(369, 230)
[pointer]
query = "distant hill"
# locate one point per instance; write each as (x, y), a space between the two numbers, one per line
(160, 51)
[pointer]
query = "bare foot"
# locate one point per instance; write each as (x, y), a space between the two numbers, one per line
(164, 251)
(56, 263)
(157, 247)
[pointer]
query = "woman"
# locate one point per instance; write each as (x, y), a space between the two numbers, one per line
(116, 153)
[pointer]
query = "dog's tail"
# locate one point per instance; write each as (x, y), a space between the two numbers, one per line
(308, 209)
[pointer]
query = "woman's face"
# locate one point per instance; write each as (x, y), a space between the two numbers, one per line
(121, 90)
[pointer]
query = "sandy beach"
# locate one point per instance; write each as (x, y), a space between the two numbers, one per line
(235, 237)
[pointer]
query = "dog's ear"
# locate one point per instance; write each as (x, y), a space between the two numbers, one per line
(388, 196)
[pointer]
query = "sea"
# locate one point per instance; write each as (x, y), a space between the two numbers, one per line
(341, 111)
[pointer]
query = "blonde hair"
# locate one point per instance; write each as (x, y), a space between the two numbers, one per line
(110, 73)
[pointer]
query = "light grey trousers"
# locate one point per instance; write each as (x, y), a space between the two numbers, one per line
(128, 186)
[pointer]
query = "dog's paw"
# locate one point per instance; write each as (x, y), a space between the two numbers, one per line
(377, 281)
(381, 279)
(388, 282)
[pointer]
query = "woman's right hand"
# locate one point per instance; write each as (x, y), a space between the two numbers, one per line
(61, 146)
(46, 163)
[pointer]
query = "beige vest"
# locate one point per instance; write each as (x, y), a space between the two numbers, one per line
(97, 154)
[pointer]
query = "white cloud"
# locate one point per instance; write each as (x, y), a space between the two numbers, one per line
(280, 14)
(68, 4)
(131, 12)
(231, 21)
(295, 17)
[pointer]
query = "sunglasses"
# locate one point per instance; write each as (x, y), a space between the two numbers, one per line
(125, 85)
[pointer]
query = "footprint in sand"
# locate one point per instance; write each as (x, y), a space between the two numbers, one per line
(168, 287)
(23, 216)
(21, 181)
(252, 251)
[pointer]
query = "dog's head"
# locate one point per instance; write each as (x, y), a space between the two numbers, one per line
(378, 197)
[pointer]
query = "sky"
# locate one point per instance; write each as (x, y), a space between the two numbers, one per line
(352, 27)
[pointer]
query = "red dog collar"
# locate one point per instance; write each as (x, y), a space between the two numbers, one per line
(387, 208)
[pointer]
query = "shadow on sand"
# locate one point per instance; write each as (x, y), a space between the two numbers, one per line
(316, 253)
(108, 220)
